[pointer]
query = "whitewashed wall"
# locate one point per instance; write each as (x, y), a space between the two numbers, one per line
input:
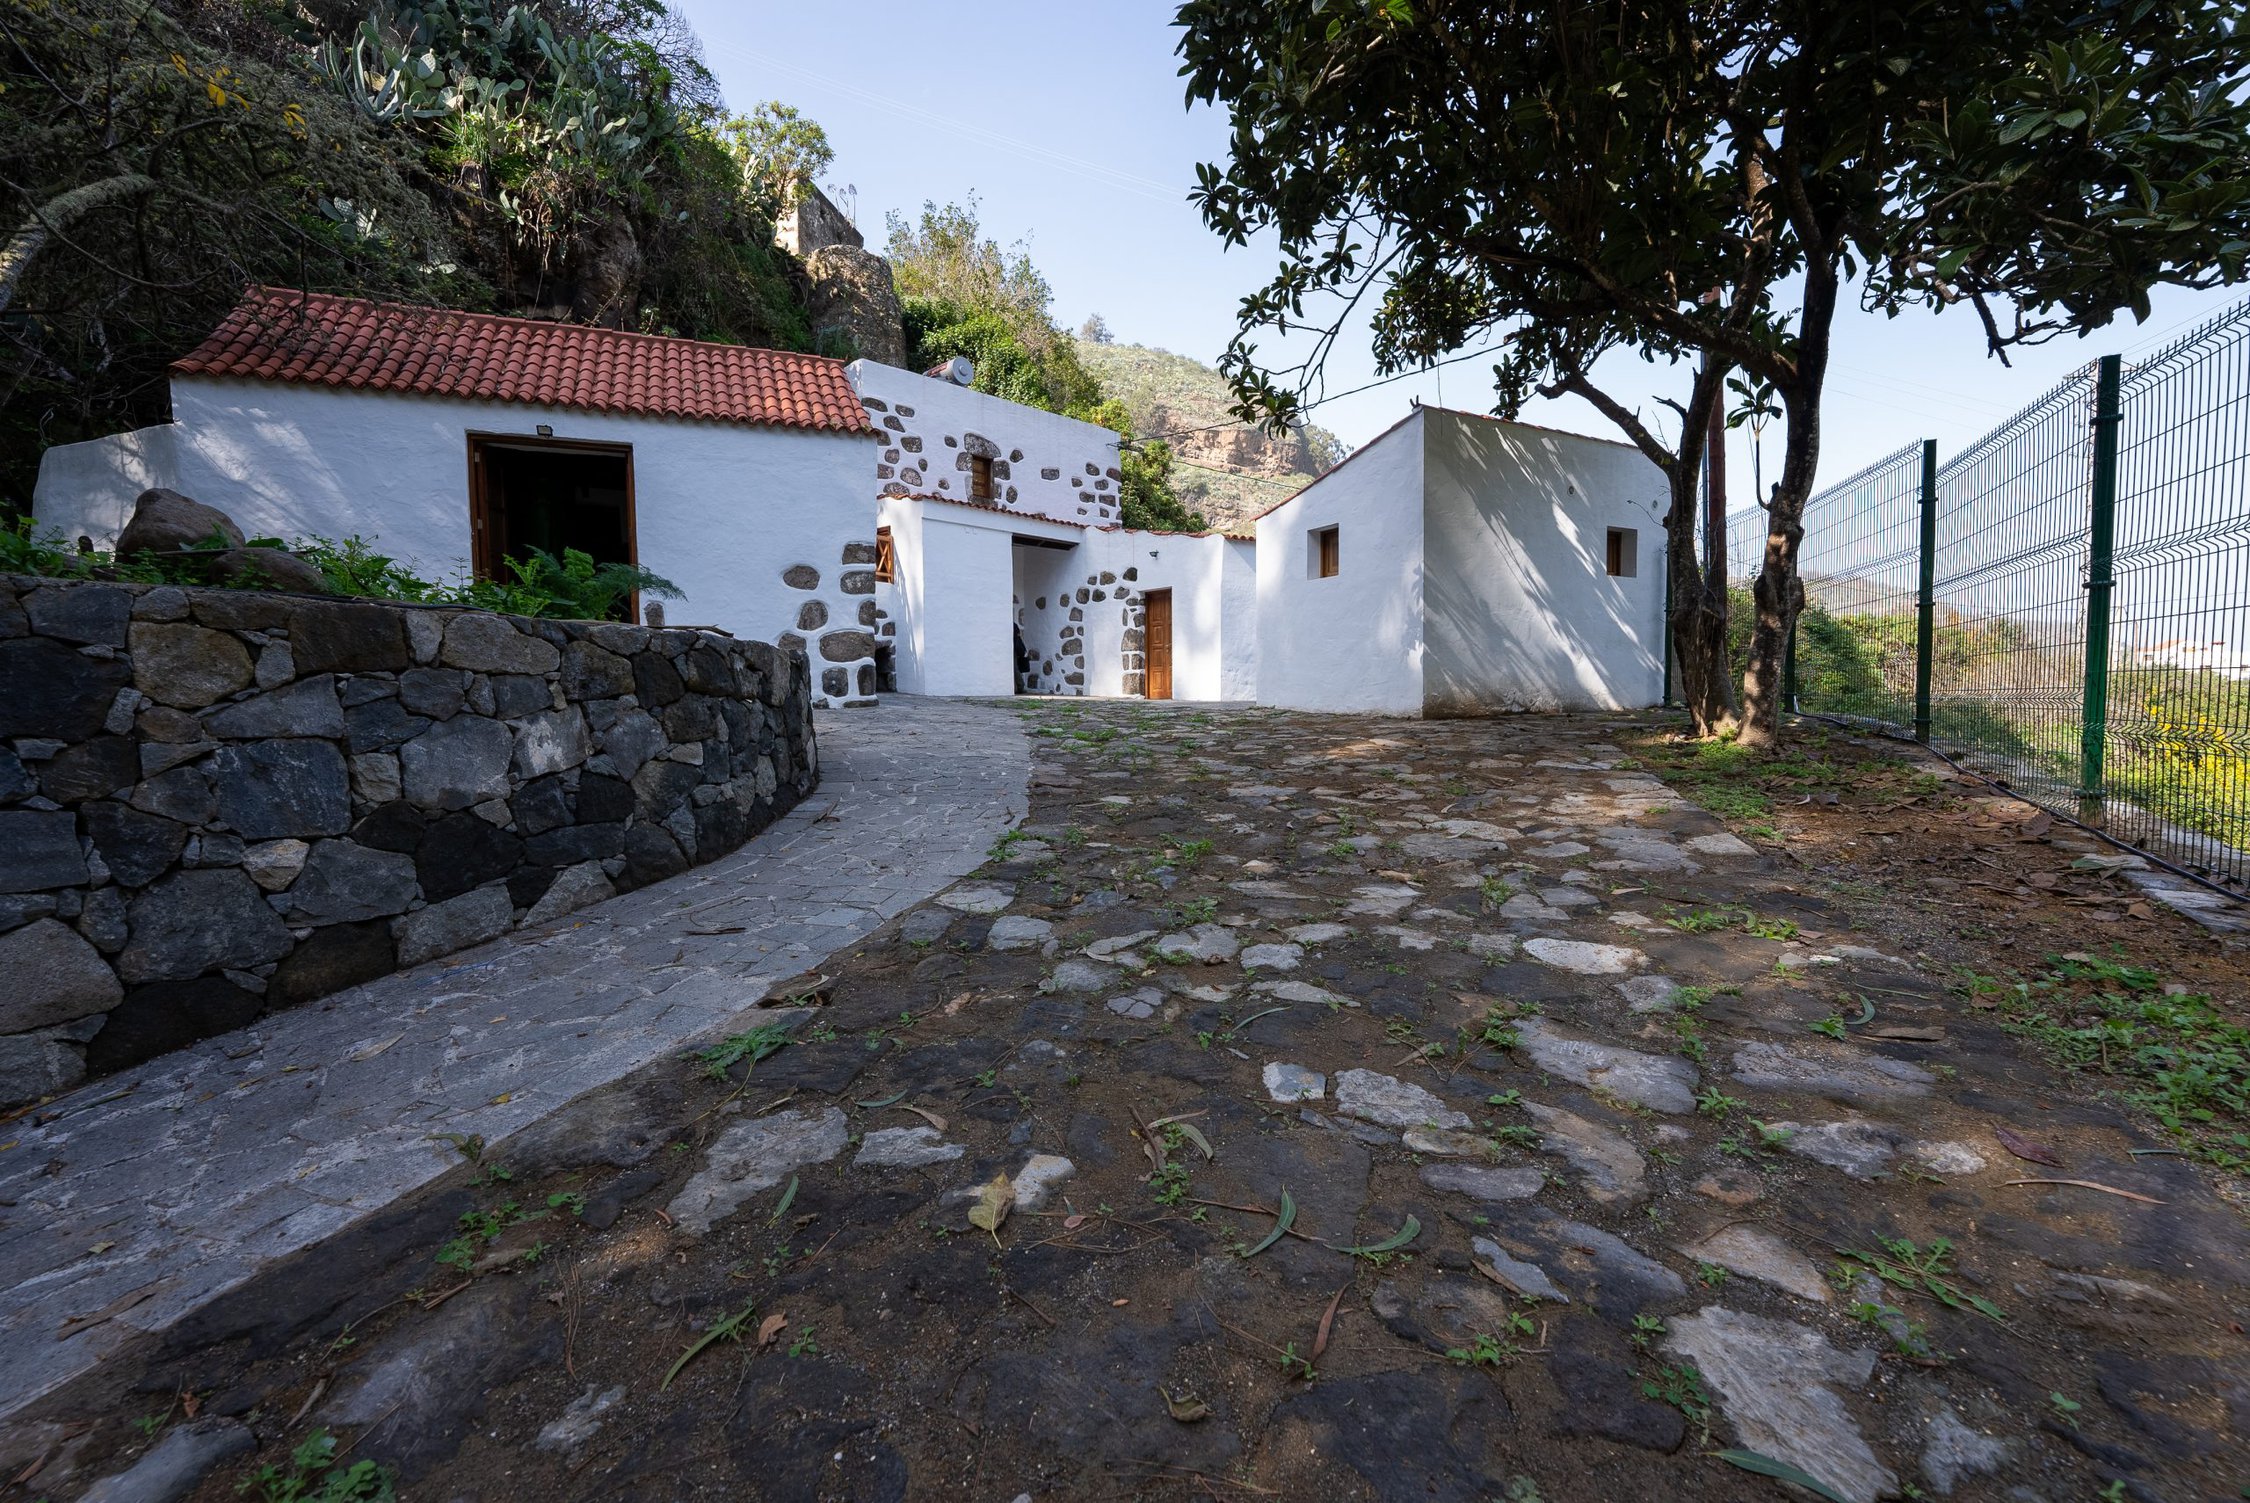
(1520, 610)
(1204, 640)
(1053, 624)
(88, 489)
(1238, 612)
(722, 510)
(955, 594)
(1352, 642)
(1043, 463)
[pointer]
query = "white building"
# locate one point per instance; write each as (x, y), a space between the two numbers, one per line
(1459, 565)
(1005, 568)
(452, 440)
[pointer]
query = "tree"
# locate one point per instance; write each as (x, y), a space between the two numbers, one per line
(781, 152)
(1706, 181)
(1754, 408)
(1146, 497)
(964, 295)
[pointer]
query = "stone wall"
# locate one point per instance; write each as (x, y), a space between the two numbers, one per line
(218, 803)
(1043, 464)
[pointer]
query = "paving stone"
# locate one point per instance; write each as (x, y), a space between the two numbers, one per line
(1208, 943)
(1080, 976)
(1649, 993)
(1494, 947)
(579, 1422)
(1758, 1254)
(1771, 1381)
(1610, 1168)
(1390, 1102)
(577, 887)
(53, 976)
(1484, 1183)
(1147, 1002)
(977, 897)
(182, 1457)
(1720, 844)
(1861, 1079)
(1441, 1143)
(752, 1156)
(925, 926)
(1591, 1265)
(1302, 991)
(905, 1148)
(1013, 931)
(1527, 1279)
(1118, 944)
(1318, 934)
(1285, 1082)
(1953, 1453)
(1582, 957)
(1381, 900)
(1663, 1083)
(1040, 1177)
(1409, 939)
(1272, 957)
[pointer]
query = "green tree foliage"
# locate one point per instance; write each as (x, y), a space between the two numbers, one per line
(565, 157)
(964, 295)
(1146, 495)
(1581, 177)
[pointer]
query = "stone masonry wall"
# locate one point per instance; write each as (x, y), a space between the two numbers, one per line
(922, 456)
(218, 803)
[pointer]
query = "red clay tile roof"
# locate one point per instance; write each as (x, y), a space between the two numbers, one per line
(277, 334)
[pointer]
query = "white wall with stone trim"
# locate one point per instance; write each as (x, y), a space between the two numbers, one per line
(1053, 625)
(1207, 641)
(1043, 463)
(753, 523)
(1520, 610)
(954, 593)
(1352, 642)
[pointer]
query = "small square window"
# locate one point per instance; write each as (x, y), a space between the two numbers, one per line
(1325, 555)
(886, 561)
(980, 478)
(1624, 552)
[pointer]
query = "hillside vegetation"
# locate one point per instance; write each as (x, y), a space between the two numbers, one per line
(1228, 471)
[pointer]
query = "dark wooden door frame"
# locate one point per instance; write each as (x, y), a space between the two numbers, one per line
(484, 556)
(1148, 643)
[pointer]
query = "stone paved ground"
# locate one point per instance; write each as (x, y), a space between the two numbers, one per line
(1600, 1137)
(151, 1193)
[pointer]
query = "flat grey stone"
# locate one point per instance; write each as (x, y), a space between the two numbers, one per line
(905, 1148)
(1272, 957)
(578, 887)
(1771, 1379)
(1581, 956)
(1527, 1279)
(454, 924)
(1118, 944)
(274, 864)
(1863, 1150)
(33, 1065)
(457, 762)
(308, 707)
(1493, 946)
(1205, 942)
(1302, 991)
(1388, 1101)
(1484, 1183)
(1441, 1142)
(1040, 1177)
(1013, 931)
(1660, 1082)
(1952, 1452)
(977, 897)
(1721, 844)
(52, 975)
(753, 1156)
(925, 926)
(182, 1457)
(579, 1420)
(1080, 976)
(1318, 934)
(39, 850)
(1528, 909)
(1756, 1253)
(1861, 1079)
(195, 922)
(487, 644)
(1610, 1168)
(1286, 1082)
(1649, 993)
(1136, 1005)
(1382, 900)
(345, 882)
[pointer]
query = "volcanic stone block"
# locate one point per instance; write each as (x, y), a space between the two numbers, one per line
(487, 644)
(198, 921)
(268, 789)
(457, 763)
(186, 667)
(169, 1015)
(50, 690)
(345, 882)
(52, 976)
(136, 847)
(462, 851)
(39, 850)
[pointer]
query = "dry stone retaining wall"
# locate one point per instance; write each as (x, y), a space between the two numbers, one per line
(217, 803)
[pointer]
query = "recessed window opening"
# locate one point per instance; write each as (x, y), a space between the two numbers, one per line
(527, 493)
(1624, 552)
(886, 560)
(980, 477)
(1324, 554)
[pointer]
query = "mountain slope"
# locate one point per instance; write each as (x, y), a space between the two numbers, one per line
(1229, 473)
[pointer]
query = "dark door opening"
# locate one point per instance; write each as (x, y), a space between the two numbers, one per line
(552, 495)
(1157, 642)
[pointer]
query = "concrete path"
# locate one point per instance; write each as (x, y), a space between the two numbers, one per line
(140, 1198)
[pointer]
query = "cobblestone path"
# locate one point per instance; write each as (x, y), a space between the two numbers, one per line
(1312, 1107)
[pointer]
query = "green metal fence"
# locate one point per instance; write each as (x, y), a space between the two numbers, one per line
(2064, 605)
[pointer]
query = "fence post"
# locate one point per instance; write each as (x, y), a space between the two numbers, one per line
(2100, 538)
(1925, 597)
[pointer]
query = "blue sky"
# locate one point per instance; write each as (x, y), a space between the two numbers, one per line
(1067, 122)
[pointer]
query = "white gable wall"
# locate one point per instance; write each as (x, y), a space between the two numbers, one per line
(721, 509)
(1043, 463)
(1352, 642)
(1521, 612)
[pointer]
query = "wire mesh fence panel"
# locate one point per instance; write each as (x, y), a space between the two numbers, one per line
(2177, 767)
(1861, 562)
(2008, 658)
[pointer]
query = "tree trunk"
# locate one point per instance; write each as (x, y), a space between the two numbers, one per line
(1778, 591)
(58, 212)
(1699, 600)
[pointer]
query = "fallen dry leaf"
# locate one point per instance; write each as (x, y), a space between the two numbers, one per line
(993, 1201)
(2087, 1184)
(926, 1115)
(1074, 1221)
(1186, 1407)
(2024, 1148)
(770, 1329)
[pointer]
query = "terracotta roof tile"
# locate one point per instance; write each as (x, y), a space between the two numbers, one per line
(276, 334)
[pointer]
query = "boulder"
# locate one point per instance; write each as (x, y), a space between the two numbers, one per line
(267, 569)
(164, 521)
(855, 304)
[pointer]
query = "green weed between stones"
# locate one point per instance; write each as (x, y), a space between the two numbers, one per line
(312, 1476)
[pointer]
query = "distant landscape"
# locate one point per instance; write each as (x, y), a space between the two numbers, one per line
(1230, 473)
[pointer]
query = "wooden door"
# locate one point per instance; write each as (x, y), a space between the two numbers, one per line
(1158, 636)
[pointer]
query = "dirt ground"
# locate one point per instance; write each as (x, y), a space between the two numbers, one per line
(1679, 1116)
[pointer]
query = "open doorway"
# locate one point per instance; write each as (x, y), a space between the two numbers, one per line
(550, 494)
